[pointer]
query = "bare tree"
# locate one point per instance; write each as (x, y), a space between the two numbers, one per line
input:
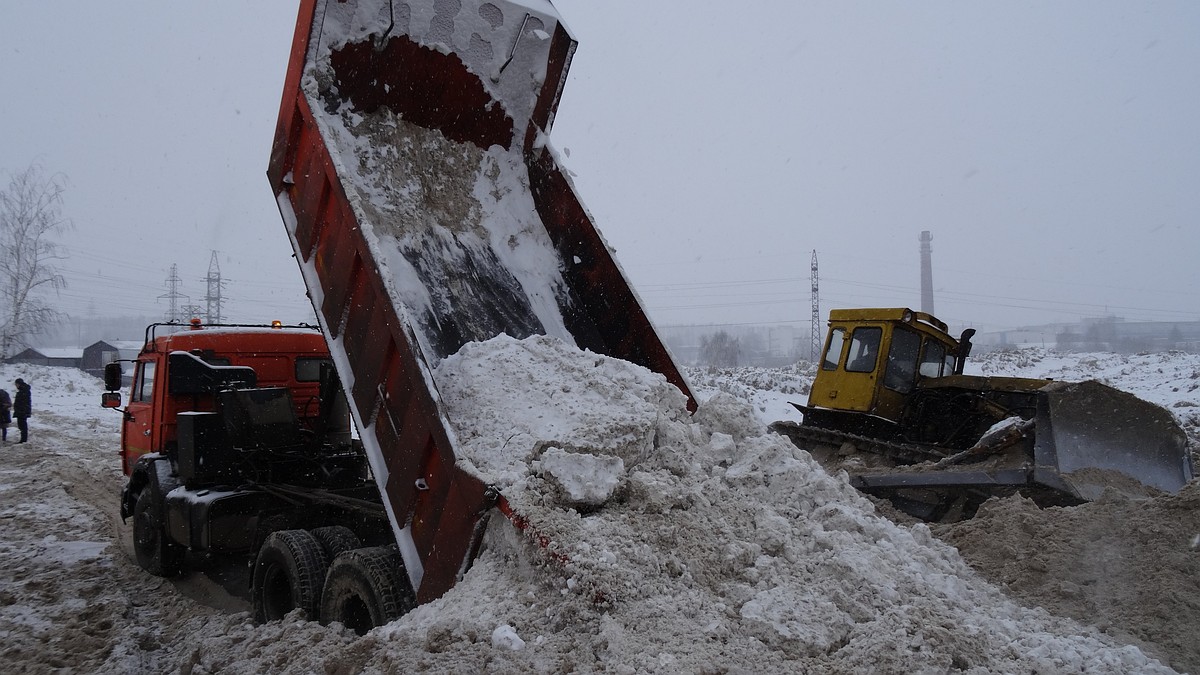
(720, 349)
(30, 216)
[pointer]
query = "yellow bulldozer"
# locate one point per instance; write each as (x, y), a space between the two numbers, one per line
(891, 406)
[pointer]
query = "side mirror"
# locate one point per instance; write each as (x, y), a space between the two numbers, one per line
(110, 399)
(112, 377)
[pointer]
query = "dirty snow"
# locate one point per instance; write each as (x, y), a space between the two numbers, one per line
(719, 549)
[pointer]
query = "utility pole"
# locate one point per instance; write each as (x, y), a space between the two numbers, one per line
(173, 295)
(815, 336)
(926, 272)
(189, 312)
(213, 297)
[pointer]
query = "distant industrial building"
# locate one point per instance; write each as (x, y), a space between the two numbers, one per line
(90, 359)
(69, 357)
(1104, 334)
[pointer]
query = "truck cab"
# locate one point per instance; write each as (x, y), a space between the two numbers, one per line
(872, 362)
(236, 441)
(179, 371)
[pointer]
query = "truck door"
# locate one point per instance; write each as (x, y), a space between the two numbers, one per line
(137, 430)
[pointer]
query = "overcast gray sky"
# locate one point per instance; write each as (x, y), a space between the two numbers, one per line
(1052, 148)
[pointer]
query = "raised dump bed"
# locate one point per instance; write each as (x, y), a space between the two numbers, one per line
(427, 210)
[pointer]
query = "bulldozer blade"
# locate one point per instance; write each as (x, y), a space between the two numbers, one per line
(1091, 438)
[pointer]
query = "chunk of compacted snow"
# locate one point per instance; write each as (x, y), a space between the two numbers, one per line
(586, 479)
(512, 401)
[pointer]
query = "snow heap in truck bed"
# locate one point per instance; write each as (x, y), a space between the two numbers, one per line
(696, 543)
(449, 215)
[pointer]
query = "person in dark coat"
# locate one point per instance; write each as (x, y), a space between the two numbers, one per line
(22, 408)
(5, 415)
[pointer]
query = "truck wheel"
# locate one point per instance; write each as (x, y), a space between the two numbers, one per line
(155, 552)
(336, 539)
(289, 573)
(365, 588)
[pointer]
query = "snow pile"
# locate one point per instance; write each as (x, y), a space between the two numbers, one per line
(514, 400)
(64, 392)
(723, 547)
(718, 549)
(770, 391)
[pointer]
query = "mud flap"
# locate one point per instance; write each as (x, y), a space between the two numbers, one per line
(1091, 437)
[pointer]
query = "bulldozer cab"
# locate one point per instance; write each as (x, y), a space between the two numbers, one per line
(873, 359)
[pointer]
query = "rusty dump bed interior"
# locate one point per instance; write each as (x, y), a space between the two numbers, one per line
(426, 210)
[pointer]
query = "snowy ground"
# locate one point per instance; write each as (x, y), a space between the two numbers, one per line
(721, 549)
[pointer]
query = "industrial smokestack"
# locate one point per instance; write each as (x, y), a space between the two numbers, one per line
(926, 272)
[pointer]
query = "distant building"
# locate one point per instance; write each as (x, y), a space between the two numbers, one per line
(1045, 335)
(1103, 334)
(57, 356)
(1114, 334)
(101, 353)
(90, 359)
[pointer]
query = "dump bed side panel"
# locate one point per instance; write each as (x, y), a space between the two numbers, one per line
(425, 209)
(432, 505)
(387, 384)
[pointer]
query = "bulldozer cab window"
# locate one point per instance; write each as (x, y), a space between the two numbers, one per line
(833, 351)
(933, 359)
(864, 349)
(902, 360)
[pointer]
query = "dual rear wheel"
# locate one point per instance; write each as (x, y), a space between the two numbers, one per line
(329, 575)
(365, 588)
(289, 573)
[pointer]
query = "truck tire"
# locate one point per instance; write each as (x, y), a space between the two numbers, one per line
(154, 550)
(336, 539)
(289, 573)
(366, 588)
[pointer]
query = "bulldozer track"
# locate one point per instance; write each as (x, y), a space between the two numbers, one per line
(903, 453)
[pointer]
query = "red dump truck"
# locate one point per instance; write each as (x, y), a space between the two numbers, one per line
(236, 441)
(426, 210)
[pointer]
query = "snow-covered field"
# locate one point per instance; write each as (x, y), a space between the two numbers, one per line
(721, 549)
